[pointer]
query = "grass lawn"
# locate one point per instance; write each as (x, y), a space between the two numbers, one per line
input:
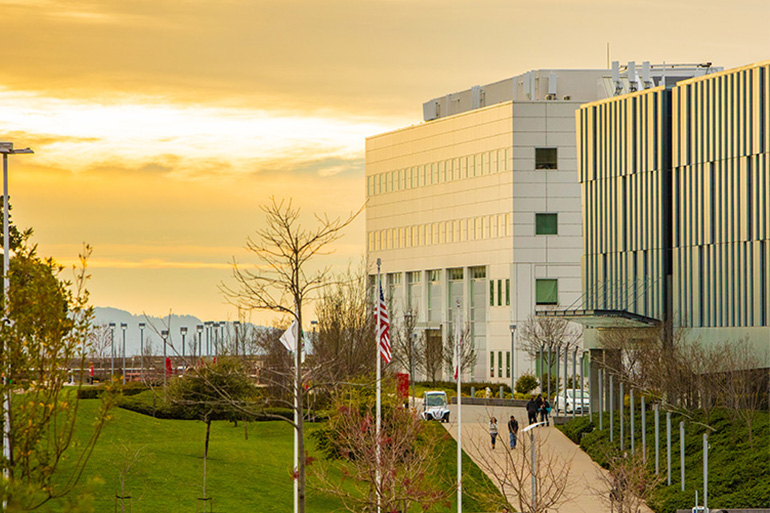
(243, 475)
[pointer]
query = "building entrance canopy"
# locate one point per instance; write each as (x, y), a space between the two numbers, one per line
(601, 318)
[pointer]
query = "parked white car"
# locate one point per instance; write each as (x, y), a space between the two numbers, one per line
(434, 406)
(574, 400)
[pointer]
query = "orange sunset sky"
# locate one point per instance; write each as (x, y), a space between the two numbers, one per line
(159, 127)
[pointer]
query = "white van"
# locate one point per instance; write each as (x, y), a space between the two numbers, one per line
(574, 400)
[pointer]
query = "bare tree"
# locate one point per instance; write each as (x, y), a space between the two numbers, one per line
(433, 356)
(345, 340)
(282, 282)
(628, 483)
(744, 381)
(99, 340)
(548, 338)
(405, 462)
(467, 351)
(128, 462)
(408, 344)
(512, 473)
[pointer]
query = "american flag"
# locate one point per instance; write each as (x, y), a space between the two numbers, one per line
(383, 330)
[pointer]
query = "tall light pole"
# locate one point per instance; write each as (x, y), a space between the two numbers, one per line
(112, 351)
(141, 350)
(123, 327)
(164, 336)
(199, 329)
(513, 359)
(236, 325)
(183, 332)
(207, 324)
(533, 457)
(408, 316)
(215, 336)
(6, 148)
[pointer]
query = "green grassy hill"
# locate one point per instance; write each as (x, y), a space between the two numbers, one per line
(243, 475)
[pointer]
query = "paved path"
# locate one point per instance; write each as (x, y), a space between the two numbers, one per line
(583, 479)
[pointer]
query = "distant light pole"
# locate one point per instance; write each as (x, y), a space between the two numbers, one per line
(6, 148)
(513, 358)
(123, 327)
(164, 336)
(208, 337)
(236, 325)
(112, 351)
(183, 332)
(141, 350)
(199, 329)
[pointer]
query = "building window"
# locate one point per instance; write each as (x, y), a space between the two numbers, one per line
(491, 364)
(545, 158)
(499, 364)
(546, 224)
(507, 364)
(455, 274)
(434, 275)
(499, 293)
(491, 292)
(546, 291)
(478, 273)
(413, 276)
(507, 292)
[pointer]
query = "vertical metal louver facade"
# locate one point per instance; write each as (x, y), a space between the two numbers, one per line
(721, 184)
(624, 172)
(677, 182)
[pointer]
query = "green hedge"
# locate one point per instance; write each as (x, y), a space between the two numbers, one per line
(739, 471)
(94, 392)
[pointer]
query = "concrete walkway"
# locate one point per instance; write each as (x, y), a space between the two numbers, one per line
(583, 484)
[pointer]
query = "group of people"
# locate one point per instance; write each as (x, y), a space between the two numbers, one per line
(535, 406)
(513, 431)
(539, 405)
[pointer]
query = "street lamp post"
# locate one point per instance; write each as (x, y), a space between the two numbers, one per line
(533, 457)
(183, 332)
(123, 327)
(207, 324)
(513, 358)
(6, 148)
(215, 336)
(236, 325)
(408, 316)
(164, 336)
(112, 351)
(199, 329)
(141, 350)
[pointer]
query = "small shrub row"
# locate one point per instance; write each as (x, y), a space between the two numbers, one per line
(95, 392)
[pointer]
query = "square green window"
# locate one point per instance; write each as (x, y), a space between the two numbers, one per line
(546, 292)
(546, 224)
(546, 158)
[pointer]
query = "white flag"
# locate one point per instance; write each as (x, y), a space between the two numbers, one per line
(289, 337)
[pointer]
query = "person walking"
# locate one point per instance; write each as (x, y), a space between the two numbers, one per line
(493, 430)
(531, 411)
(513, 431)
(545, 411)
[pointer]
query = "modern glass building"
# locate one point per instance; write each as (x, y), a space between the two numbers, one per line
(480, 204)
(675, 186)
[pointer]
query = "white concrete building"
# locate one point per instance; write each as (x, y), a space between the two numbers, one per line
(481, 204)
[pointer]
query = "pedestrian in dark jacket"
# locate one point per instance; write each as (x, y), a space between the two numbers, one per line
(513, 431)
(545, 410)
(531, 411)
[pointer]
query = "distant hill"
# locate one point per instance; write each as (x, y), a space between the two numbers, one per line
(153, 327)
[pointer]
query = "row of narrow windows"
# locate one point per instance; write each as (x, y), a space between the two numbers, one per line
(469, 166)
(442, 232)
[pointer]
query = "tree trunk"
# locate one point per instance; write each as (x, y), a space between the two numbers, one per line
(206, 453)
(300, 417)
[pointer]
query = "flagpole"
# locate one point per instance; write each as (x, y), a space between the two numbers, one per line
(458, 356)
(379, 384)
(298, 363)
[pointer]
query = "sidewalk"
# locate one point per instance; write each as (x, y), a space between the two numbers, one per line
(583, 481)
